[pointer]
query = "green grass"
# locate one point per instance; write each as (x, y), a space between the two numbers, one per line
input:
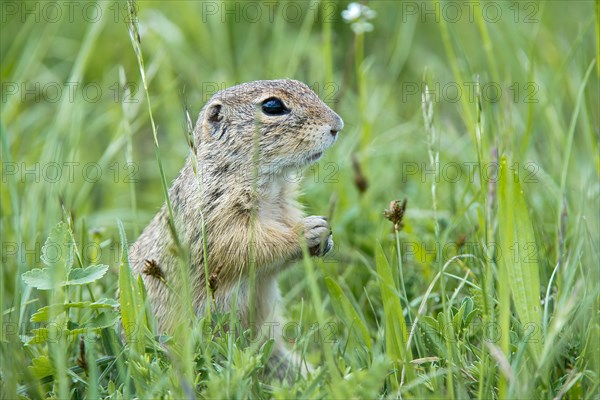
(486, 289)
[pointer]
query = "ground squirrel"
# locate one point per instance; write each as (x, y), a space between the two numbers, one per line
(247, 140)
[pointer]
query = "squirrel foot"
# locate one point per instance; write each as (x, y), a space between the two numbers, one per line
(318, 235)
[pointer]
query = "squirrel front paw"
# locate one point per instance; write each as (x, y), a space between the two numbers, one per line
(318, 235)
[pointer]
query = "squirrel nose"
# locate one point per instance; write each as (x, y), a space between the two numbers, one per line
(337, 126)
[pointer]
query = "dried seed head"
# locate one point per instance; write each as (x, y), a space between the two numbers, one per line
(395, 213)
(213, 279)
(212, 282)
(360, 181)
(462, 239)
(151, 268)
(81, 361)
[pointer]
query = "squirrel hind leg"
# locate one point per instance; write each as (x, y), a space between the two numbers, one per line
(285, 366)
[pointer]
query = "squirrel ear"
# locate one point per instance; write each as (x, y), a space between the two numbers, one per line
(213, 114)
(214, 124)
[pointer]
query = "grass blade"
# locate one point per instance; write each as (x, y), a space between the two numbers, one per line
(396, 335)
(132, 306)
(344, 310)
(519, 263)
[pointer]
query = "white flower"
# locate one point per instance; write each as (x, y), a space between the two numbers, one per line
(358, 16)
(352, 13)
(361, 26)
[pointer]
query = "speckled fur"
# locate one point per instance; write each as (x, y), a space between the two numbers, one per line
(242, 203)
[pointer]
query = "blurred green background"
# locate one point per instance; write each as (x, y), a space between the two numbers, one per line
(72, 93)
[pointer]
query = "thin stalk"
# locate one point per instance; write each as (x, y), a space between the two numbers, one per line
(129, 152)
(187, 362)
(252, 227)
(569, 147)
(199, 178)
(434, 159)
(359, 55)
(137, 46)
(327, 49)
(401, 276)
(320, 314)
(452, 59)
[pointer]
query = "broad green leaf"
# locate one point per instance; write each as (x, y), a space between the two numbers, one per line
(42, 278)
(396, 336)
(266, 349)
(54, 332)
(57, 254)
(38, 278)
(468, 303)
(457, 320)
(347, 313)
(41, 367)
(100, 321)
(58, 251)
(43, 314)
(519, 263)
(364, 383)
(431, 322)
(42, 335)
(104, 302)
(81, 276)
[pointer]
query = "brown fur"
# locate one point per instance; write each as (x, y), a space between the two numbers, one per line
(248, 206)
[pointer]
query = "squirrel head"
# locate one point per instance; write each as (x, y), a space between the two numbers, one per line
(277, 124)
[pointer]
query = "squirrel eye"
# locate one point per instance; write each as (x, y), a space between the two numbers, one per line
(274, 106)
